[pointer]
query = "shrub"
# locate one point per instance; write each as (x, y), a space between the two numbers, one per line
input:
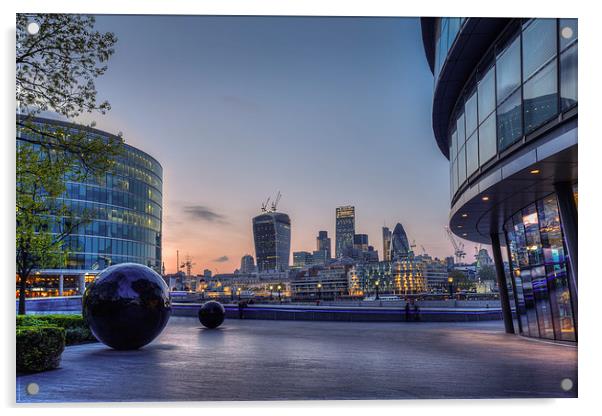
(78, 335)
(76, 329)
(39, 348)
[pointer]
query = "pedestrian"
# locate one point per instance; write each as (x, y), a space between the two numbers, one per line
(241, 306)
(407, 311)
(416, 312)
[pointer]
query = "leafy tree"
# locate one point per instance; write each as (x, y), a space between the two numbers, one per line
(487, 273)
(55, 71)
(461, 280)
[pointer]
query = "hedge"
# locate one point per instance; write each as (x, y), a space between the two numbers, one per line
(76, 330)
(39, 348)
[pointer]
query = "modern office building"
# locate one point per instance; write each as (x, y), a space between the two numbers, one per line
(247, 264)
(345, 230)
(435, 273)
(302, 259)
(323, 245)
(272, 236)
(505, 114)
(326, 283)
(398, 277)
(126, 211)
(400, 246)
(387, 236)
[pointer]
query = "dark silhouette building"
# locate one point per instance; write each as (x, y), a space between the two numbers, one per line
(272, 236)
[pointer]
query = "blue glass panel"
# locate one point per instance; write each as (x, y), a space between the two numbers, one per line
(539, 45)
(540, 98)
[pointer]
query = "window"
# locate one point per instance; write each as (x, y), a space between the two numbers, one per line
(509, 121)
(461, 128)
(454, 145)
(568, 78)
(487, 140)
(471, 114)
(472, 154)
(540, 99)
(486, 91)
(461, 166)
(508, 71)
(539, 45)
(568, 32)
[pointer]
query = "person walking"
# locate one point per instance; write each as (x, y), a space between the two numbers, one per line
(407, 311)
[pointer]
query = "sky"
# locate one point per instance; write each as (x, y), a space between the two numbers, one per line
(328, 111)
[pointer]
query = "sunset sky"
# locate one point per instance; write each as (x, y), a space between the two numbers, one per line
(328, 111)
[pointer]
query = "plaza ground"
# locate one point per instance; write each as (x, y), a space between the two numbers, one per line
(304, 360)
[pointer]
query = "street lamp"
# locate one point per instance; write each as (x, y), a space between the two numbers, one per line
(376, 284)
(319, 290)
(450, 280)
(271, 292)
(238, 292)
(279, 295)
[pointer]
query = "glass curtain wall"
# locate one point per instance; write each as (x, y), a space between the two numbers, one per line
(527, 79)
(539, 269)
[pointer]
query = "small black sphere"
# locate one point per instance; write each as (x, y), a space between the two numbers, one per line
(127, 306)
(212, 314)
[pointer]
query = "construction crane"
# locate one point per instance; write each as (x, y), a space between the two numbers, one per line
(458, 246)
(423, 249)
(264, 206)
(276, 200)
(188, 265)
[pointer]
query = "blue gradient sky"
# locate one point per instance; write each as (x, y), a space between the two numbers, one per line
(329, 111)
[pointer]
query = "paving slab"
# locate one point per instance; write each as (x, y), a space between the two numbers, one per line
(308, 360)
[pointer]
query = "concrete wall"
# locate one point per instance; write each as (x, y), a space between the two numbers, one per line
(433, 311)
(354, 314)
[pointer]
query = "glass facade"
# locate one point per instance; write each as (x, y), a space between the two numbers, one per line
(528, 79)
(540, 272)
(272, 235)
(125, 207)
(446, 31)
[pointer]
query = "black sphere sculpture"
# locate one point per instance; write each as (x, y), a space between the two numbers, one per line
(127, 306)
(212, 314)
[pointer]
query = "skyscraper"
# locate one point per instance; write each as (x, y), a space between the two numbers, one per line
(400, 247)
(272, 236)
(247, 264)
(386, 244)
(323, 244)
(345, 230)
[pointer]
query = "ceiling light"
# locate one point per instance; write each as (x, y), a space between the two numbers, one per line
(485, 198)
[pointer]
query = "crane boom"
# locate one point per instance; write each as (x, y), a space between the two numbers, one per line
(458, 246)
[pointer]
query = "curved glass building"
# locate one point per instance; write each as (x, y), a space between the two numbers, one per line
(272, 235)
(126, 209)
(505, 110)
(400, 246)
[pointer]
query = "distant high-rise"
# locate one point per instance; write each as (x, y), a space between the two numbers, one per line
(386, 244)
(302, 259)
(400, 247)
(360, 242)
(345, 230)
(247, 264)
(272, 235)
(323, 244)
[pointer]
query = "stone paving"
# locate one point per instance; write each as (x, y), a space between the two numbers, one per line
(302, 360)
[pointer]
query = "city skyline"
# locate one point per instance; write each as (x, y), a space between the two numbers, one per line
(361, 136)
